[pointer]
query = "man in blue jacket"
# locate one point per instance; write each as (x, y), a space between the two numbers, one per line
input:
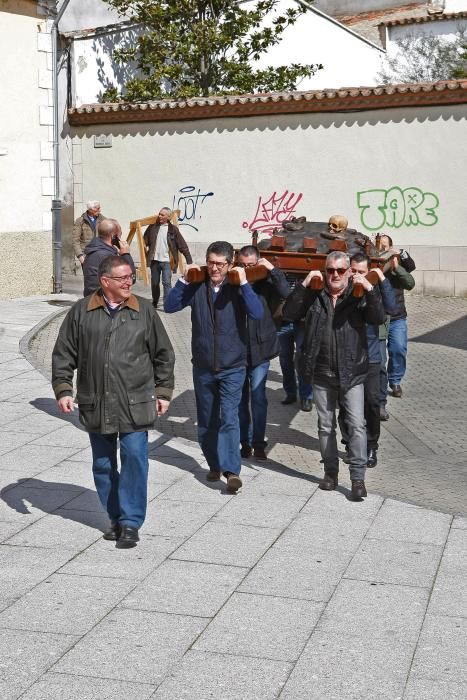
(263, 345)
(219, 355)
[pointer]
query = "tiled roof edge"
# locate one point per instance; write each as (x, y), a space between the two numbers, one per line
(333, 100)
(427, 18)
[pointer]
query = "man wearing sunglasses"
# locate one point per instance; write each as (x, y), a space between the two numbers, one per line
(334, 359)
(124, 362)
(219, 345)
(107, 242)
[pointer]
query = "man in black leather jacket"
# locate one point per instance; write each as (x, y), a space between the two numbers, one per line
(334, 359)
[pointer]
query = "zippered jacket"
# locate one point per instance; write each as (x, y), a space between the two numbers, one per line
(349, 319)
(219, 338)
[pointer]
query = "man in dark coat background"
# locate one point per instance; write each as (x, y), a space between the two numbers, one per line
(108, 242)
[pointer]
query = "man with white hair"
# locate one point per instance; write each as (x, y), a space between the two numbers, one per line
(334, 359)
(163, 242)
(85, 228)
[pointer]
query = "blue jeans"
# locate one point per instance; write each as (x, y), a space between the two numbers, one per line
(123, 494)
(326, 402)
(397, 350)
(159, 269)
(290, 338)
(253, 427)
(218, 397)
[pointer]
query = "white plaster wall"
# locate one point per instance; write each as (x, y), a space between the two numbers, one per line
(326, 158)
(446, 29)
(455, 5)
(94, 69)
(87, 14)
(347, 59)
(22, 102)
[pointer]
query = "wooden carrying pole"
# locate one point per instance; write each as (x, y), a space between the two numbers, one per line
(135, 229)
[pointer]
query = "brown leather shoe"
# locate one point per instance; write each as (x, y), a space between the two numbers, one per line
(358, 490)
(396, 390)
(259, 453)
(233, 482)
(213, 475)
(328, 482)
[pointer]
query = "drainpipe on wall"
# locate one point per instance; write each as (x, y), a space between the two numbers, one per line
(56, 201)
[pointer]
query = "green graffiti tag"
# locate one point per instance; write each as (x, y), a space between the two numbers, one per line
(397, 207)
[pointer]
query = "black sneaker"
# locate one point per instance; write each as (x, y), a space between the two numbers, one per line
(246, 450)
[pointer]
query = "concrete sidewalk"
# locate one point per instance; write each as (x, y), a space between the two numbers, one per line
(281, 591)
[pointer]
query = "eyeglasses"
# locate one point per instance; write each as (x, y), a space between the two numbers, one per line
(252, 264)
(219, 265)
(123, 278)
(340, 270)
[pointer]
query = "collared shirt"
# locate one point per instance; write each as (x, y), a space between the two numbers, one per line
(112, 306)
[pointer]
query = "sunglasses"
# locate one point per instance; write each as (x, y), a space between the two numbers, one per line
(340, 270)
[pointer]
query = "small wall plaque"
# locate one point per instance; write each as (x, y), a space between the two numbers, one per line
(103, 141)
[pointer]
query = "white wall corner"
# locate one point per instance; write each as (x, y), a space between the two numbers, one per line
(47, 221)
(45, 78)
(47, 185)
(47, 150)
(46, 117)
(44, 42)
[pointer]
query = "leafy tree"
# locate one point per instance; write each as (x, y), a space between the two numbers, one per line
(425, 59)
(192, 48)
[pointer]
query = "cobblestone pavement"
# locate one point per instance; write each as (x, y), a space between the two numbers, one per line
(283, 592)
(423, 447)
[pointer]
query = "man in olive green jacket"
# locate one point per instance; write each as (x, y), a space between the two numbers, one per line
(124, 362)
(85, 228)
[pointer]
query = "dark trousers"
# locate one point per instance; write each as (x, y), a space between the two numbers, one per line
(158, 270)
(372, 404)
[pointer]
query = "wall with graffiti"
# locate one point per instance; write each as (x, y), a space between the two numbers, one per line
(399, 171)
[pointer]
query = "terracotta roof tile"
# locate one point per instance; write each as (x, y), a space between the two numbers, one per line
(426, 18)
(334, 100)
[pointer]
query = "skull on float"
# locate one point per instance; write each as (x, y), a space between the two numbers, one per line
(337, 223)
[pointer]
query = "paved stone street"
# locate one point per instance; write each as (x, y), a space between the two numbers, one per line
(281, 591)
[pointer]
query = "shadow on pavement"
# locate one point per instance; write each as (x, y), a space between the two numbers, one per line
(452, 335)
(40, 494)
(49, 406)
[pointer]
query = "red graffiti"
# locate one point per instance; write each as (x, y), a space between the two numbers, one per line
(271, 213)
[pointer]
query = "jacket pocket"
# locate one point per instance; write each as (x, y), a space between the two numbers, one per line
(89, 411)
(142, 407)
